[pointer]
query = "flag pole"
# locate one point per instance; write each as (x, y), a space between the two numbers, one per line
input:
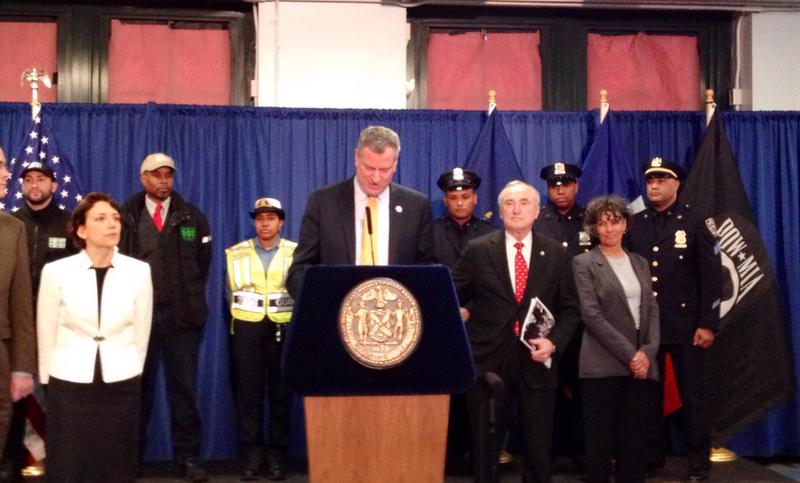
(603, 105)
(711, 106)
(718, 455)
(33, 76)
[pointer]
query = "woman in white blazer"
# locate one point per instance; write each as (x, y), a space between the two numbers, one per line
(617, 365)
(93, 324)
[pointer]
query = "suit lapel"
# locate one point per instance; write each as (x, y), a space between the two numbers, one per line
(536, 263)
(395, 222)
(347, 213)
(605, 271)
(497, 252)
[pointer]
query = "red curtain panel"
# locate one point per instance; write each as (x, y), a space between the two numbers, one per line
(172, 66)
(24, 45)
(644, 72)
(463, 67)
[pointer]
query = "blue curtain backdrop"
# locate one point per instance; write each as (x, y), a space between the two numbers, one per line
(227, 157)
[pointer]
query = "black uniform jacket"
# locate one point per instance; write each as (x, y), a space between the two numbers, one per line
(684, 261)
(450, 238)
(566, 229)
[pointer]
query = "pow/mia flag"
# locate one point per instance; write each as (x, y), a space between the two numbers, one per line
(748, 368)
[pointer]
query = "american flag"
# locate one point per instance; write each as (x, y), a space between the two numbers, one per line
(40, 145)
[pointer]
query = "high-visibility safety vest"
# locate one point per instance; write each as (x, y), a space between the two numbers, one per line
(255, 294)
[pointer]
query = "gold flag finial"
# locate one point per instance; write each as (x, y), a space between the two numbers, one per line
(711, 106)
(492, 100)
(34, 76)
(604, 106)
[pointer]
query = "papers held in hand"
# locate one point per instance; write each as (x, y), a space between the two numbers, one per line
(539, 321)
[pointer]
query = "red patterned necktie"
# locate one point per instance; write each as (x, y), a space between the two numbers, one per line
(520, 272)
(157, 217)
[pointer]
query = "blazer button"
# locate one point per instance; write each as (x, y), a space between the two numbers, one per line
(98, 338)
(655, 249)
(655, 279)
(655, 263)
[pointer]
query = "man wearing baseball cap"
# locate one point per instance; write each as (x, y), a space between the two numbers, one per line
(173, 236)
(45, 222)
(686, 271)
(261, 308)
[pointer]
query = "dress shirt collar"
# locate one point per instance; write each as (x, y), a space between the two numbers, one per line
(151, 206)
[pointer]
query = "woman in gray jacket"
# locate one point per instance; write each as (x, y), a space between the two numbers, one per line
(620, 341)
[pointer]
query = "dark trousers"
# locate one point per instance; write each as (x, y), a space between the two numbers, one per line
(535, 412)
(615, 416)
(256, 356)
(15, 453)
(5, 394)
(688, 362)
(179, 348)
(568, 418)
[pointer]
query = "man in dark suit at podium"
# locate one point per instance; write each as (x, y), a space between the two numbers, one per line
(497, 277)
(367, 219)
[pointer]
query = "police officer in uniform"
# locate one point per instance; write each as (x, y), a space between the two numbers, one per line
(261, 308)
(684, 259)
(562, 219)
(46, 224)
(452, 231)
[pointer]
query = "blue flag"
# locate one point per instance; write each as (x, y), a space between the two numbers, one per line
(608, 169)
(39, 145)
(494, 161)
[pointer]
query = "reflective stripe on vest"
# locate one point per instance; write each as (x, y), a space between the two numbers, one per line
(255, 294)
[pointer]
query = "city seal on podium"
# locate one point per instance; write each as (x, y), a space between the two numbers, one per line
(380, 323)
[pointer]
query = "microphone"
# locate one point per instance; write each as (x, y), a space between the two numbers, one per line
(369, 230)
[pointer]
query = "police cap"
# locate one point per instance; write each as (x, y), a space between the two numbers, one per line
(458, 179)
(658, 168)
(560, 173)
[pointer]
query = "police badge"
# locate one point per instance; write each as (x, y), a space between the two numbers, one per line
(680, 239)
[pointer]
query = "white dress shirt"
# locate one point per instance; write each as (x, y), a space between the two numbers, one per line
(151, 207)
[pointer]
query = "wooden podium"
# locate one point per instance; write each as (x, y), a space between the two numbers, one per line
(376, 425)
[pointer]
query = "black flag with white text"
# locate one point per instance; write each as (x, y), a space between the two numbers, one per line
(748, 368)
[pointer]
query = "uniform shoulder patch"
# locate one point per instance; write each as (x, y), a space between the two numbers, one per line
(711, 226)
